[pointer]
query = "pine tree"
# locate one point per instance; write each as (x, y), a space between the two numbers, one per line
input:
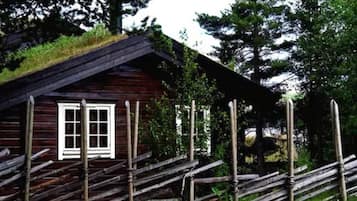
(248, 32)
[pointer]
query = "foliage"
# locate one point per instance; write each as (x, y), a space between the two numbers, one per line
(17, 15)
(326, 62)
(159, 130)
(248, 32)
(304, 158)
(45, 55)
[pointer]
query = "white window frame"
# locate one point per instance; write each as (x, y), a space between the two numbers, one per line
(74, 153)
(206, 126)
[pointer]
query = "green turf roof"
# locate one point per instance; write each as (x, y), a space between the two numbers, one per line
(65, 47)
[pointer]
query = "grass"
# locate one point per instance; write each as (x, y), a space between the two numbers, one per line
(45, 55)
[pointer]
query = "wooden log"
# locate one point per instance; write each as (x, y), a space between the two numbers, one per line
(290, 130)
(62, 169)
(204, 168)
(72, 185)
(142, 157)
(210, 180)
(135, 137)
(233, 113)
(93, 187)
(323, 176)
(271, 181)
(248, 183)
(19, 175)
(130, 167)
(338, 148)
(19, 161)
(170, 171)
(282, 194)
(107, 193)
(50, 182)
(4, 152)
(84, 151)
(192, 148)
(28, 146)
(151, 188)
(158, 165)
(323, 168)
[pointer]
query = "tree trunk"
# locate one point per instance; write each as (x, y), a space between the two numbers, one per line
(116, 16)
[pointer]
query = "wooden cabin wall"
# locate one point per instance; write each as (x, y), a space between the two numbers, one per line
(114, 86)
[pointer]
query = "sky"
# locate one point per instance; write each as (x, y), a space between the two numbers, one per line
(175, 16)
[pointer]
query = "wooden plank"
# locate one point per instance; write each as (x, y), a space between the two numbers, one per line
(167, 172)
(19, 175)
(130, 167)
(158, 165)
(210, 180)
(135, 137)
(191, 149)
(60, 170)
(28, 145)
(338, 148)
(290, 130)
(233, 110)
(4, 152)
(13, 164)
(323, 168)
(84, 151)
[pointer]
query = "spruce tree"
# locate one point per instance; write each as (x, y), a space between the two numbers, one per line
(248, 33)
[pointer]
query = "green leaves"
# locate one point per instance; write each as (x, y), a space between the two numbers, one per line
(248, 32)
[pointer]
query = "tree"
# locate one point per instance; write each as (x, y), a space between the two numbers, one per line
(16, 15)
(34, 22)
(326, 62)
(248, 32)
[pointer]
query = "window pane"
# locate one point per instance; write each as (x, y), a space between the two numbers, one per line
(93, 141)
(69, 142)
(78, 115)
(78, 128)
(69, 115)
(93, 128)
(103, 141)
(78, 142)
(92, 115)
(103, 128)
(69, 128)
(103, 115)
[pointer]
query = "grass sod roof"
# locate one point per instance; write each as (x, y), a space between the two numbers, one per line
(45, 55)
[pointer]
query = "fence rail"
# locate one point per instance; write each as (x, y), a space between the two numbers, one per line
(131, 180)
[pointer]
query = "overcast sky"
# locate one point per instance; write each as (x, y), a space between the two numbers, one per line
(175, 16)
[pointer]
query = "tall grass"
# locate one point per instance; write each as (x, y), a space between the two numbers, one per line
(65, 47)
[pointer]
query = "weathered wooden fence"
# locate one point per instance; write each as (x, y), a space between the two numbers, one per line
(132, 179)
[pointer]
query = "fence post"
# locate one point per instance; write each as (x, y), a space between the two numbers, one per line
(130, 161)
(136, 133)
(290, 134)
(28, 144)
(192, 147)
(84, 147)
(338, 147)
(233, 112)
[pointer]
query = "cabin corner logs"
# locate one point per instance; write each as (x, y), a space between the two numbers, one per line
(23, 178)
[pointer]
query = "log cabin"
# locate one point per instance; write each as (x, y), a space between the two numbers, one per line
(105, 77)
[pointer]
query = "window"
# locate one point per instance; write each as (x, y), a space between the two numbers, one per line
(202, 128)
(101, 130)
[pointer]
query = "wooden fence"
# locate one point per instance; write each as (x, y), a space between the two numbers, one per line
(136, 179)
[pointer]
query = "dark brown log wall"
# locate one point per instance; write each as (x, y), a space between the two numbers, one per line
(114, 86)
